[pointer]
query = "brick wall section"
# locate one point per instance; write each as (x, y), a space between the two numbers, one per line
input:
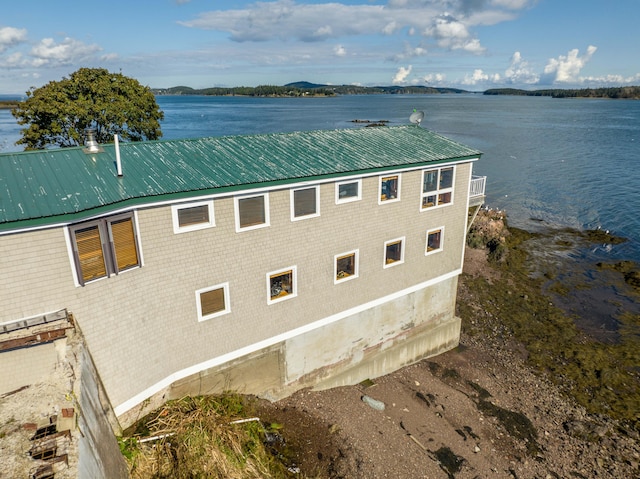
(141, 326)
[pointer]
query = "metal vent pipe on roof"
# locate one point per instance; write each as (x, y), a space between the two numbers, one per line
(90, 143)
(116, 143)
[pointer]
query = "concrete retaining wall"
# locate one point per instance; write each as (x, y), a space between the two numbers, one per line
(391, 335)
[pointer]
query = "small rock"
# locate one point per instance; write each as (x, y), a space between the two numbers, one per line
(476, 449)
(374, 403)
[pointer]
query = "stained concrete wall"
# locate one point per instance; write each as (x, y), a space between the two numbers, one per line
(98, 451)
(366, 344)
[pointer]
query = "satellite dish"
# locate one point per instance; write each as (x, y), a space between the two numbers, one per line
(416, 117)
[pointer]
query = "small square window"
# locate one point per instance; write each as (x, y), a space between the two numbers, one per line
(389, 188)
(193, 216)
(345, 266)
(305, 203)
(348, 191)
(281, 285)
(434, 240)
(213, 301)
(394, 252)
(252, 212)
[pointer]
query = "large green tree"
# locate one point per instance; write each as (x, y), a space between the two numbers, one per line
(59, 112)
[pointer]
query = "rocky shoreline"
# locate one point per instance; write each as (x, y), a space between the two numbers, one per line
(489, 408)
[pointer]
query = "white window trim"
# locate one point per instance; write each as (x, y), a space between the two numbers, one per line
(227, 310)
(397, 198)
(384, 252)
(184, 229)
(433, 230)
(267, 220)
(294, 279)
(437, 191)
(293, 206)
(350, 198)
(356, 261)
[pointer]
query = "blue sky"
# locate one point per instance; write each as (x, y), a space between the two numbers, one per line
(469, 44)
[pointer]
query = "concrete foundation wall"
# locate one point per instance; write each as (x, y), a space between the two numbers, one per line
(390, 335)
(98, 451)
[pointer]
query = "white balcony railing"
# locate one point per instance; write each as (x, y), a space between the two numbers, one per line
(477, 186)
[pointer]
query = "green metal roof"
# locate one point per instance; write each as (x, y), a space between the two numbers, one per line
(61, 185)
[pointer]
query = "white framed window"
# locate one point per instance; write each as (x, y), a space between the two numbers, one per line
(437, 187)
(435, 240)
(305, 203)
(281, 285)
(389, 189)
(347, 191)
(192, 216)
(104, 247)
(345, 266)
(213, 301)
(252, 211)
(394, 252)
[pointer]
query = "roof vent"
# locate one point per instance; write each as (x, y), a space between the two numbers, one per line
(90, 143)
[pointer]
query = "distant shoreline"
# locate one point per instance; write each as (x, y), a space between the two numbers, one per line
(313, 90)
(8, 104)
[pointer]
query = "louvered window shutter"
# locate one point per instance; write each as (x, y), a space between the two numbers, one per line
(90, 254)
(124, 244)
(212, 301)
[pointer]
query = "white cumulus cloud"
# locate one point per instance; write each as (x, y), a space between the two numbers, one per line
(519, 71)
(10, 36)
(453, 34)
(65, 52)
(480, 77)
(566, 68)
(447, 22)
(434, 78)
(401, 75)
(286, 19)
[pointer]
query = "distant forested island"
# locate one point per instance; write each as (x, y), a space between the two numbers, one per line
(629, 92)
(304, 89)
(307, 89)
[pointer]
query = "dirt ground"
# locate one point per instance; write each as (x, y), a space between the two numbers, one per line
(475, 412)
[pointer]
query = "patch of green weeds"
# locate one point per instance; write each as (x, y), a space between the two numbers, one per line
(128, 447)
(559, 289)
(200, 437)
(605, 378)
(629, 269)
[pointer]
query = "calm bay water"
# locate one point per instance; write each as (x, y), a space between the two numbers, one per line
(548, 161)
